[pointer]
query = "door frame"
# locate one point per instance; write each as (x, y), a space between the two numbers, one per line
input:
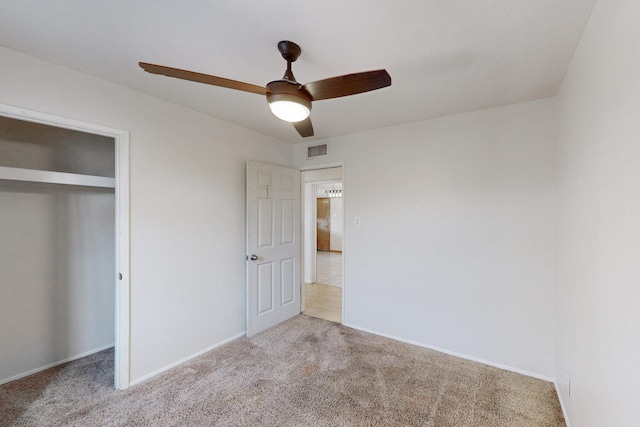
(310, 242)
(309, 189)
(122, 229)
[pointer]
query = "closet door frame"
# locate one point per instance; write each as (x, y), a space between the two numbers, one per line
(122, 231)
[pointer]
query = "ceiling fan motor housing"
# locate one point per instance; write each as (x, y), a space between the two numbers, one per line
(285, 90)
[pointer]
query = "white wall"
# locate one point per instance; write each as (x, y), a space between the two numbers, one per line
(187, 205)
(57, 258)
(336, 225)
(598, 217)
(455, 247)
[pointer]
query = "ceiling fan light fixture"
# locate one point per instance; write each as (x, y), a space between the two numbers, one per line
(288, 107)
(288, 100)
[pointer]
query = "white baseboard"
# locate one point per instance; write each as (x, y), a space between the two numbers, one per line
(564, 409)
(186, 359)
(51, 365)
(460, 355)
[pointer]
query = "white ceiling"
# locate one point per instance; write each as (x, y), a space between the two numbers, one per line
(444, 56)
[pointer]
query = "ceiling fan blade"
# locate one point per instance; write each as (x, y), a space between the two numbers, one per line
(349, 84)
(202, 78)
(304, 127)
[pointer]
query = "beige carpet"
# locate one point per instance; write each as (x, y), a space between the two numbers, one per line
(304, 372)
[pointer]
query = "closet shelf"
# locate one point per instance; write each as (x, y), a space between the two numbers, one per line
(33, 175)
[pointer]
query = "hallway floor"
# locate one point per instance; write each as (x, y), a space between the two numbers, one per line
(323, 302)
(324, 298)
(329, 268)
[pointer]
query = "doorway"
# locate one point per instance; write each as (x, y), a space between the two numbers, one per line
(58, 183)
(323, 244)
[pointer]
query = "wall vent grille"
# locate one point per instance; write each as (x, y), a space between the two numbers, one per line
(316, 151)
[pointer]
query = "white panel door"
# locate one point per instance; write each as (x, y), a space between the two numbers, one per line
(273, 245)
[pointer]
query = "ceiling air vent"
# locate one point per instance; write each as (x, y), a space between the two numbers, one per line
(316, 151)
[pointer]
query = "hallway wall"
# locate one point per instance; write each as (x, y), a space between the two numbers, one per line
(308, 178)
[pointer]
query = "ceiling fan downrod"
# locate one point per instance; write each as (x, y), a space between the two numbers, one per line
(290, 52)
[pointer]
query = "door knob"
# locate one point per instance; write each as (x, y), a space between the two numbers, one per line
(254, 257)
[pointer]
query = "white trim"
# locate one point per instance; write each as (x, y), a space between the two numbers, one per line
(345, 201)
(460, 355)
(321, 166)
(122, 366)
(565, 414)
(186, 359)
(314, 231)
(59, 362)
(51, 177)
(121, 137)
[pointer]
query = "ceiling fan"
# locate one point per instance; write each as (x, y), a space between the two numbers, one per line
(288, 99)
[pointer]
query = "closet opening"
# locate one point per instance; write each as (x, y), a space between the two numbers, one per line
(61, 211)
